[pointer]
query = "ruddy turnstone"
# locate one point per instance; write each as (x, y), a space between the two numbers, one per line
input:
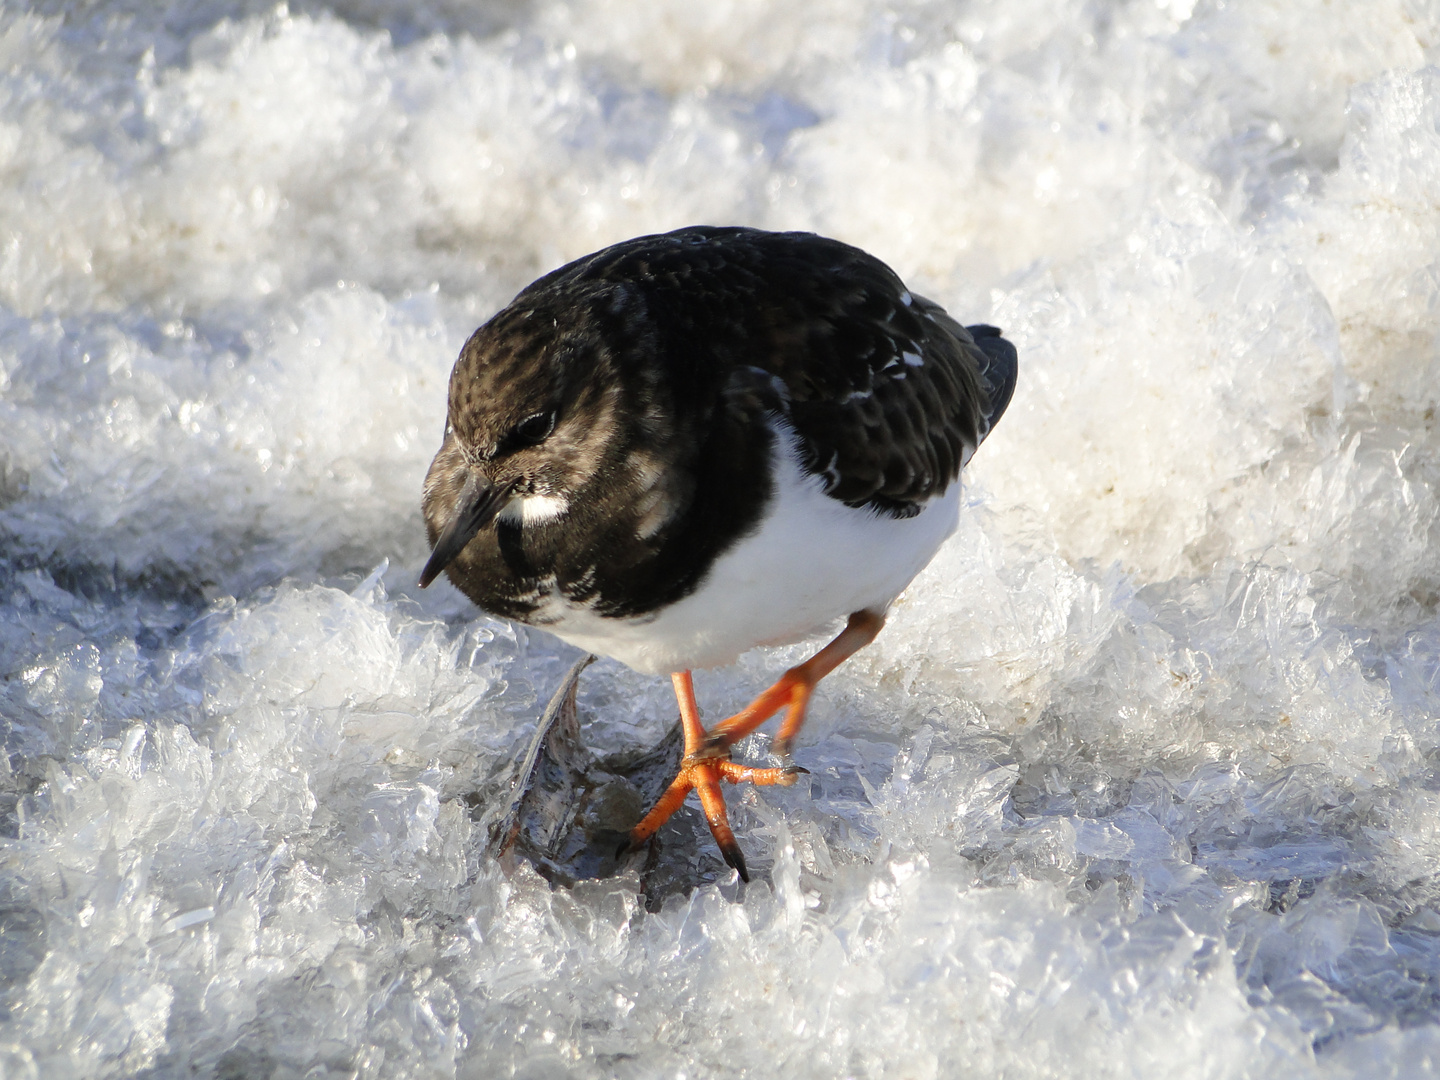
(687, 445)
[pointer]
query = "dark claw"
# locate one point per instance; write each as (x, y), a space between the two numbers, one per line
(797, 770)
(736, 858)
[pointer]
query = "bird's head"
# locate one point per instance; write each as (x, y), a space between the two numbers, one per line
(530, 421)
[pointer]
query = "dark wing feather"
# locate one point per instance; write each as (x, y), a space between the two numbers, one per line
(888, 394)
(999, 366)
(883, 388)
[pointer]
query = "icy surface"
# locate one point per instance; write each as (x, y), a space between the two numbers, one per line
(1143, 778)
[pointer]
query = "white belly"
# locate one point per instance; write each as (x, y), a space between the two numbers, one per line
(811, 561)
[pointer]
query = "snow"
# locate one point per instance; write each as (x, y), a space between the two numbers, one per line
(1141, 778)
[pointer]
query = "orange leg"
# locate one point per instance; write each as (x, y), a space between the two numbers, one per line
(703, 773)
(794, 688)
(707, 756)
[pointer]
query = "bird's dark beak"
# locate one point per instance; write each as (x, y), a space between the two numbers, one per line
(477, 506)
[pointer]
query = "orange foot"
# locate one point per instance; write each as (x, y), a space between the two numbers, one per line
(702, 769)
(707, 755)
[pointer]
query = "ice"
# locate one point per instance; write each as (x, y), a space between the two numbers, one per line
(1140, 779)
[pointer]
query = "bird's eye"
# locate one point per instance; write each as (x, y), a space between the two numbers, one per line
(532, 431)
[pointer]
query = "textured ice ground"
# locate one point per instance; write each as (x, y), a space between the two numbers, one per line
(1142, 780)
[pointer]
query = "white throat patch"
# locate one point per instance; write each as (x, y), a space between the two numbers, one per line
(534, 509)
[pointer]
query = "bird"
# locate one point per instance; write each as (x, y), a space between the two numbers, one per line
(690, 444)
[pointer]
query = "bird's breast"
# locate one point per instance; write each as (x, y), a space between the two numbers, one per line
(809, 561)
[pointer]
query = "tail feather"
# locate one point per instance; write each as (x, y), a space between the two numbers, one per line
(997, 372)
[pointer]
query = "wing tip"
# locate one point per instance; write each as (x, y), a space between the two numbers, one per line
(999, 366)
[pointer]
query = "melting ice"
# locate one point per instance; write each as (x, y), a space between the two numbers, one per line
(1140, 781)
